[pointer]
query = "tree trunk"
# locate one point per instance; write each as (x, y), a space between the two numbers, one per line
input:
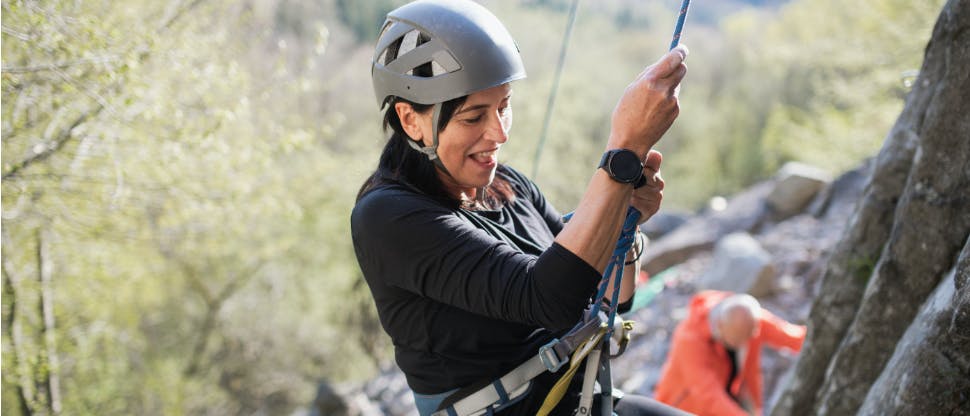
(906, 232)
(50, 378)
(930, 370)
(16, 353)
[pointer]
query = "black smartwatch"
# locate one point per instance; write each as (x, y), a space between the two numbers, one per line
(623, 166)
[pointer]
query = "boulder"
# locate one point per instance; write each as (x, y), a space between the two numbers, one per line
(796, 185)
(662, 223)
(744, 212)
(740, 265)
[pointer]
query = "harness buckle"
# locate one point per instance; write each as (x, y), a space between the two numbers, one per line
(549, 358)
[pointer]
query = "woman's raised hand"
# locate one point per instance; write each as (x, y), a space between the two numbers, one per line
(649, 106)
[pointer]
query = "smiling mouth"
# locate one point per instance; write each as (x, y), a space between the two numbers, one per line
(485, 157)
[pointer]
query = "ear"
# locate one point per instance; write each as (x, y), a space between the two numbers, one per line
(410, 121)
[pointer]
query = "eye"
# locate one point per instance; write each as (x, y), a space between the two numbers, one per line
(473, 120)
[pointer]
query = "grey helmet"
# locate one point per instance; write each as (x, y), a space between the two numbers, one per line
(464, 45)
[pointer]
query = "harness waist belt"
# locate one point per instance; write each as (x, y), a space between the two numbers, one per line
(515, 383)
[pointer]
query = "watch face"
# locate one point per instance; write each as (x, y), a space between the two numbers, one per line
(625, 166)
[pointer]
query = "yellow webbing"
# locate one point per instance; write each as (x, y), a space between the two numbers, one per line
(558, 390)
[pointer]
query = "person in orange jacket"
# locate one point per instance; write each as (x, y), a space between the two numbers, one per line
(713, 367)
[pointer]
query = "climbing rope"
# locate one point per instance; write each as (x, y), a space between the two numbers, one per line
(596, 351)
(554, 91)
(555, 87)
(614, 269)
(680, 23)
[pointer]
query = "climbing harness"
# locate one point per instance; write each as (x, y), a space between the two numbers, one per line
(589, 340)
(551, 358)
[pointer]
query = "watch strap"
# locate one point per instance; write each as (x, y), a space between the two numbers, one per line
(640, 182)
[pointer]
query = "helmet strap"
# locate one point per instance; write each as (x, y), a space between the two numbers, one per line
(432, 151)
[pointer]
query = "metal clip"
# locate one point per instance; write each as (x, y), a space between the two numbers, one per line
(549, 358)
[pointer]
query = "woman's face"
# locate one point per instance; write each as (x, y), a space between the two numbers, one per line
(468, 145)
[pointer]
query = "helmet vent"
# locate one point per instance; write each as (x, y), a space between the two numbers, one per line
(409, 42)
(416, 55)
(437, 69)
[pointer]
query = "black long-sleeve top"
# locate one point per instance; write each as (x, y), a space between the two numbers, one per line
(467, 295)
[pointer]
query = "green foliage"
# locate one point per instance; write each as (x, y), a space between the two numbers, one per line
(364, 18)
(189, 169)
(817, 82)
(192, 213)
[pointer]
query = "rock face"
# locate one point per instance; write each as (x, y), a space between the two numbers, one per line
(903, 240)
(929, 369)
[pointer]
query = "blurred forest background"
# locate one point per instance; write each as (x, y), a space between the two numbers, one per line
(178, 176)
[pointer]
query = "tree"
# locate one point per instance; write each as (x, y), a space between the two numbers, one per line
(903, 242)
(172, 199)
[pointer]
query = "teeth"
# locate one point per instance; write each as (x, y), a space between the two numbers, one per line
(484, 156)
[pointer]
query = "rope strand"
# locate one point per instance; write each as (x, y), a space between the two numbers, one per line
(555, 88)
(680, 24)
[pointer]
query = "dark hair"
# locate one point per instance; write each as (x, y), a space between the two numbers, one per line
(399, 163)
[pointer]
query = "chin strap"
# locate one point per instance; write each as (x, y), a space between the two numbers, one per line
(432, 151)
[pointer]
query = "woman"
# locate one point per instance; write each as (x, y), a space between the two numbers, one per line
(472, 270)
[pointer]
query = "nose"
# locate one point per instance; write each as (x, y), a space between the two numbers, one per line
(498, 127)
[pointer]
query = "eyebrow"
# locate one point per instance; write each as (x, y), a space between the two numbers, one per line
(480, 106)
(472, 108)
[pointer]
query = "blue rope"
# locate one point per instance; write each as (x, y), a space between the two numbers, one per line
(680, 23)
(614, 269)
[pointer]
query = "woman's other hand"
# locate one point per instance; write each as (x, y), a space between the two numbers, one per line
(649, 105)
(647, 198)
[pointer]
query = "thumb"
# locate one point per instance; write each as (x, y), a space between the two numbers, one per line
(671, 61)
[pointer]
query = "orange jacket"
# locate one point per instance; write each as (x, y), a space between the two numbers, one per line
(697, 368)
